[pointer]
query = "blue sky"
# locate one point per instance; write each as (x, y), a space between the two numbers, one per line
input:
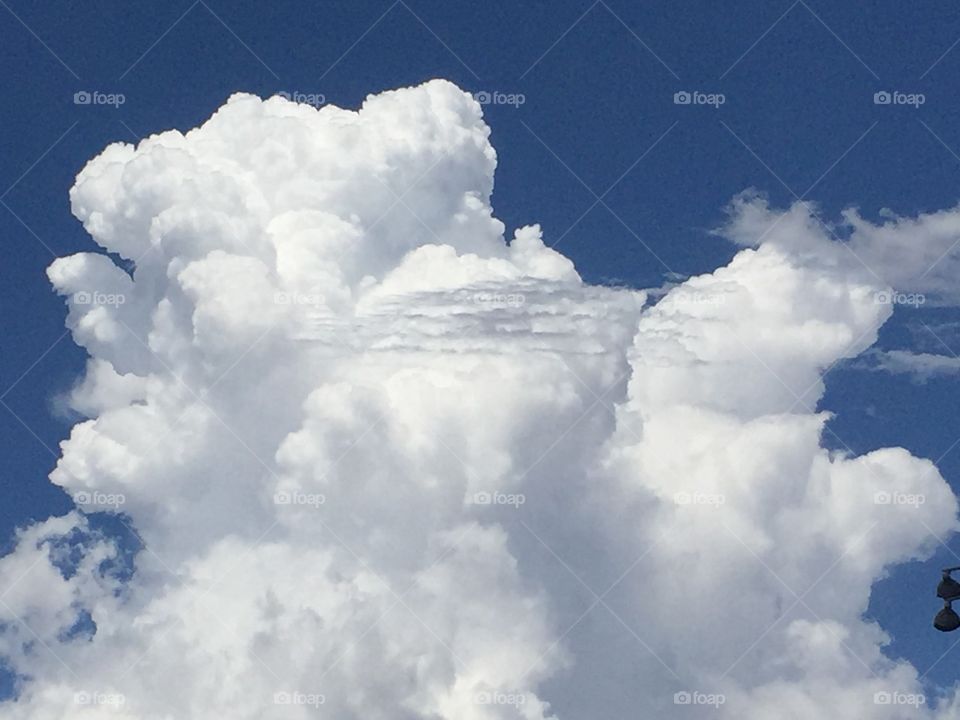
(598, 121)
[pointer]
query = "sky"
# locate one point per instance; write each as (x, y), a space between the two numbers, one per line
(633, 187)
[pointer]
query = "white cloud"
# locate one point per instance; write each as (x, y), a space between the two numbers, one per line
(386, 462)
(918, 256)
(920, 366)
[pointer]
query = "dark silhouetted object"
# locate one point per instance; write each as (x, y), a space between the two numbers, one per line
(947, 619)
(948, 590)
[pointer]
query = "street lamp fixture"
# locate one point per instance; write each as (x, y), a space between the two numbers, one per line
(948, 590)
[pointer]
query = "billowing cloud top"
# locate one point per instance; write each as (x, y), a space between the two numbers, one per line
(385, 464)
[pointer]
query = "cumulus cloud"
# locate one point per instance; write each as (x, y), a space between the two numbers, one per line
(386, 464)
